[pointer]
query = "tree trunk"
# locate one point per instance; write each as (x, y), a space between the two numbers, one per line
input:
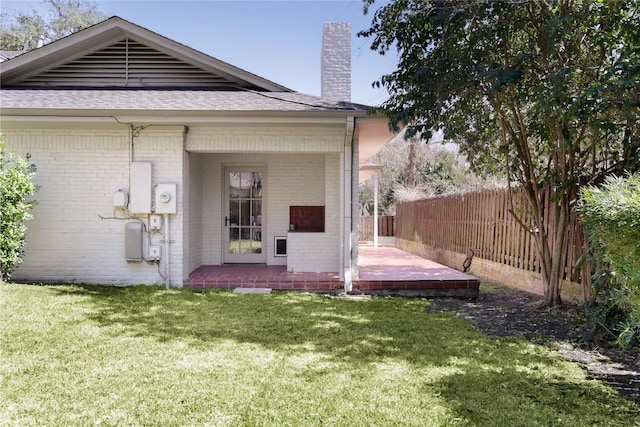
(411, 166)
(551, 244)
(558, 250)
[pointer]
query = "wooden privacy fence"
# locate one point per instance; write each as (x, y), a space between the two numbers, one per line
(385, 227)
(481, 221)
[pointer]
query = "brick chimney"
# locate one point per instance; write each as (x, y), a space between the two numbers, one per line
(336, 61)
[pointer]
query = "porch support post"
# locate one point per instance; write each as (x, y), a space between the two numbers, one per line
(355, 202)
(375, 210)
(347, 205)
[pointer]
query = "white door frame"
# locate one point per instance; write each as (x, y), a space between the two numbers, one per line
(241, 222)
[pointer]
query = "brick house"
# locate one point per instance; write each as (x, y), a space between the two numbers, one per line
(155, 159)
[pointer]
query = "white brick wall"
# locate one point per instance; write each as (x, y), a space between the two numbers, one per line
(212, 215)
(79, 171)
(193, 211)
(336, 61)
(164, 148)
(291, 179)
(266, 138)
(320, 252)
(309, 251)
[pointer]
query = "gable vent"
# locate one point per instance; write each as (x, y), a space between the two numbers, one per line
(128, 63)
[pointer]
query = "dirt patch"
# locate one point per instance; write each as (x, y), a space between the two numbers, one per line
(504, 312)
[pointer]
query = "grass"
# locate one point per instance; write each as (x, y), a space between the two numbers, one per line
(91, 355)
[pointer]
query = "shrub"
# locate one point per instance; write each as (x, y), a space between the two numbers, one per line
(16, 185)
(611, 215)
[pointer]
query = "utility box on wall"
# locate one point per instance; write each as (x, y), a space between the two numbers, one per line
(133, 241)
(120, 199)
(140, 191)
(166, 199)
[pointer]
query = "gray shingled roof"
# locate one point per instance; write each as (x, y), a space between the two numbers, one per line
(169, 100)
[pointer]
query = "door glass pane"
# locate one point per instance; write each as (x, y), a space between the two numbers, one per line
(234, 212)
(256, 187)
(243, 241)
(246, 183)
(234, 185)
(245, 212)
(245, 233)
(256, 240)
(234, 240)
(256, 212)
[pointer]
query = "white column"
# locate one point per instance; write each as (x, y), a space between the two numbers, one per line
(375, 210)
(347, 176)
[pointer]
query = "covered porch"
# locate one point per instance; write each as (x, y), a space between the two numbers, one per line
(383, 270)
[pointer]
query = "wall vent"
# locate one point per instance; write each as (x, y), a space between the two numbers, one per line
(128, 63)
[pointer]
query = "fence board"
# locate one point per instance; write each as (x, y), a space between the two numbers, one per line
(386, 226)
(481, 221)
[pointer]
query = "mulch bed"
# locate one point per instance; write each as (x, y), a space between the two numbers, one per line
(504, 312)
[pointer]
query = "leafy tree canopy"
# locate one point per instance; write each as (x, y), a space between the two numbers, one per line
(547, 93)
(490, 73)
(413, 171)
(25, 31)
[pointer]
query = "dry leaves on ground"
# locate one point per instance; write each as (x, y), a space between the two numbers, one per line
(504, 312)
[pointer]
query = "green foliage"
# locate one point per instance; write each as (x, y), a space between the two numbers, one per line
(611, 215)
(71, 16)
(436, 168)
(547, 93)
(16, 185)
(561, 78)
(468, 68)
(23, 31)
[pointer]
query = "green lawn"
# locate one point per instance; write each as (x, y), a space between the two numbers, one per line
(91, 355)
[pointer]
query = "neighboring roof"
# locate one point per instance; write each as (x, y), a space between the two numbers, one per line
(96, 54)
(8, 54)
(82, 100)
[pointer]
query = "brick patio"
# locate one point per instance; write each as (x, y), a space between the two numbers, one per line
(383, 270)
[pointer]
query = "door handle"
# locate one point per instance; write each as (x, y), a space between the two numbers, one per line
(226, 221)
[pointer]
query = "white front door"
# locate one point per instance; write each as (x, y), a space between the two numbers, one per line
(244, 217)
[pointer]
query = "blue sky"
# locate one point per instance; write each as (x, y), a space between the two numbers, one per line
(278, 40)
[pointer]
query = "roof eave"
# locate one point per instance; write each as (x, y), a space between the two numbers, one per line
(186, 116)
